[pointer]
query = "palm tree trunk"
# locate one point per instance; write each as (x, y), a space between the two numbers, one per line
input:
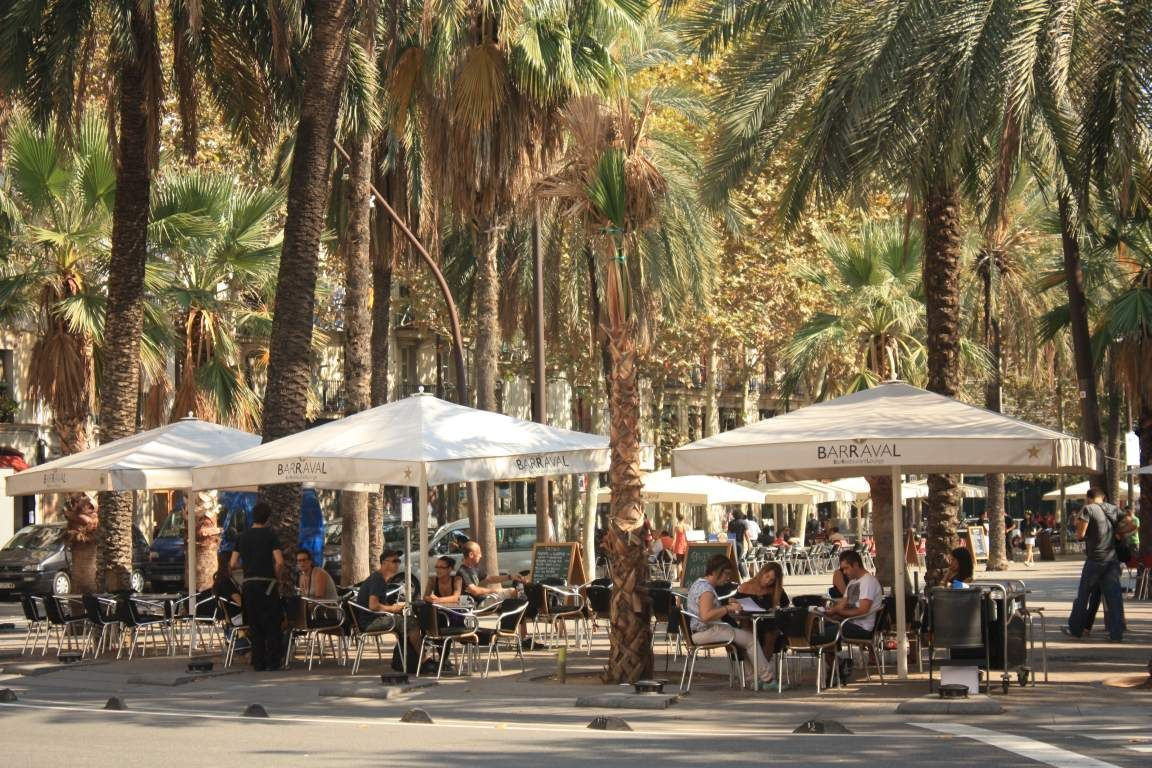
(82, 532)
(354, 540)
(1078, 321)
(204, 506)
(880, 487)
(487, 298)
(630, 657)
(290, 347)
(124, 319)
(942, 249)
(989, 271)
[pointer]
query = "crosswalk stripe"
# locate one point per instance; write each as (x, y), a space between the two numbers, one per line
(1020, 745)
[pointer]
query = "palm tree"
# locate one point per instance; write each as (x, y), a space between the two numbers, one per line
(489, 82)
(631, 189)
(852, 92)
(59, 206)
(217, 245)
(872, 332)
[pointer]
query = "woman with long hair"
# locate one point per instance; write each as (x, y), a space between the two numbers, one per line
(766, 589)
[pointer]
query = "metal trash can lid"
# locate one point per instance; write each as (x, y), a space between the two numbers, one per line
(953, 691)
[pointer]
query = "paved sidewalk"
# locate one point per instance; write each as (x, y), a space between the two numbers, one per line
(1077, 689)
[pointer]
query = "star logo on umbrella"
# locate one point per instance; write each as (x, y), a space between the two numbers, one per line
(407, 473)
(1034, 452)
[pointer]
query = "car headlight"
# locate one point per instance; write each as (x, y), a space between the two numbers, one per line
(153, 556)
(31, 568)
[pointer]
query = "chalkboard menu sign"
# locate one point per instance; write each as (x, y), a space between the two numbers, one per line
(698, 554)
(978, 541)
(560, 560)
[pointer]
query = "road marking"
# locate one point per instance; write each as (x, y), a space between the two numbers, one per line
(1020, 745)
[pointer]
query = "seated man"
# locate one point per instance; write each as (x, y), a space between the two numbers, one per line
(862, 592)
(480, 586)
(381, 593)
(835, 537)
(477, 583)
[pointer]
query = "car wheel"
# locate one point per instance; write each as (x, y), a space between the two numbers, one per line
(136, 581)
(61, 584)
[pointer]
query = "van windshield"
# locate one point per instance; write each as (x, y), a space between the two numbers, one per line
(173, 526)
(37, 537)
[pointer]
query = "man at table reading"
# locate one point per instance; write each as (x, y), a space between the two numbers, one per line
(860, 595)
(259, 551)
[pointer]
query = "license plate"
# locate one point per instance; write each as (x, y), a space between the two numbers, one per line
(7, 585)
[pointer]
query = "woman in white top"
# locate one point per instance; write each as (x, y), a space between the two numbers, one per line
(707, 623)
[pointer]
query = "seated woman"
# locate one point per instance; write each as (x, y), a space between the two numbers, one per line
(445, 587)
(314, 583)
(707, 621)
(960, 567)
(766, 589)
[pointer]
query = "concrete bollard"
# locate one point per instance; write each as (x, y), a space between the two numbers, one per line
(605, 723)
(255, 710)
(116, 703)
(7, 695)
(415, 715)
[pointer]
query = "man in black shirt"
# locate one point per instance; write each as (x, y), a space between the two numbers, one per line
(258, 550)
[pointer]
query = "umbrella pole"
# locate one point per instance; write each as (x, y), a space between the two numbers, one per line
(190, 563)
(898, 583)
(407, 597)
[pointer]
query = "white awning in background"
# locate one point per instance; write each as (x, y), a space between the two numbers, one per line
(661, 487)
(1080, 490)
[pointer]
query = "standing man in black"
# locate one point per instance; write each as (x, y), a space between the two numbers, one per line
(259, 552)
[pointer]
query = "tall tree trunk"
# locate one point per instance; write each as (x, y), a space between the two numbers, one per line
(711, 392)
(487, 351)
(354, 540)
(1078, 321)
(1114, 436)
(1144, 431)
(204, 506)
(124, 319)
(290, 348)
(990, 273)
(942, 250)
(630, 656)
(880, 488)
(82, 532)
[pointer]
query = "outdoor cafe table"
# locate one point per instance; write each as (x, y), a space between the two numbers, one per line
(755, 617)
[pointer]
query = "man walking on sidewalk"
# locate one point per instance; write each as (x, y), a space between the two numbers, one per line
(1097, 526)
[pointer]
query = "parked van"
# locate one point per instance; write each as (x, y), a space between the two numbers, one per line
(515, 535)
(165, 569)
(37, 560)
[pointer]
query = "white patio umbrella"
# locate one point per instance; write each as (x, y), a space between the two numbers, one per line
(967, 490)
(1079, 491)
(892, 428)
(159, 459)
(418, 441)
(661, 487)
